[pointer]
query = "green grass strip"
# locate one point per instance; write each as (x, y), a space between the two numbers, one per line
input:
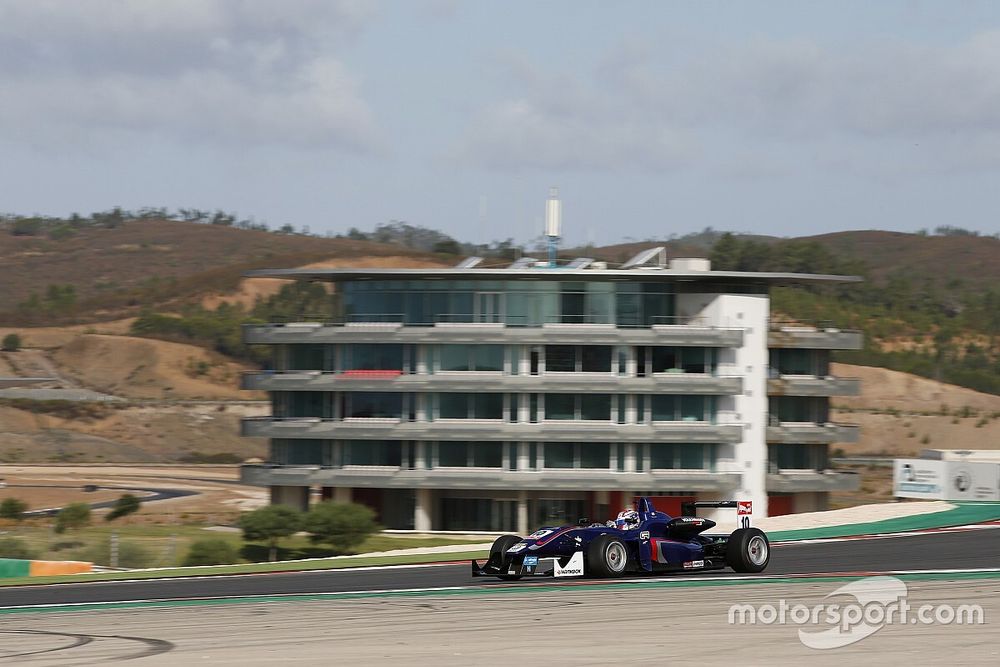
(964, 513)
(251, 568)
(493, 590)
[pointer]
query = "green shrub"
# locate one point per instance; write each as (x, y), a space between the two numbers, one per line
(211, 551)
(269, 524)
(11, 547)
(341, 525)
(125, 505)
(74, 515)
(13, 508)
(11, 343)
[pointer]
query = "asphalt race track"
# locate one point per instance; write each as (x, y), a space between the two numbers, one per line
(936, 550)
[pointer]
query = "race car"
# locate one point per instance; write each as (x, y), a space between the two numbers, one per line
(651, 542)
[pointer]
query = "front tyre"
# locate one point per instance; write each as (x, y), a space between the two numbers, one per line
(498, 555)
(748, 550)
(607, 556)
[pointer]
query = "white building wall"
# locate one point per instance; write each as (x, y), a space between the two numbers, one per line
(748, 457)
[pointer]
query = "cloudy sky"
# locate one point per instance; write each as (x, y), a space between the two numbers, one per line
(653, 118)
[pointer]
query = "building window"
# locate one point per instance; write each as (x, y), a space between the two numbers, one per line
(667, 456)
(593, 407)
(673, 408)
(470, 454)
(307, 357)
(787, 456)
(479, 358)
(559, 454)
(579, 455)
(792, 361)
(811, 409)
(302, 404)
(373, 453)
(373, 357)
(578, 358)
(469, 406)
(302, 452)
(373, 404)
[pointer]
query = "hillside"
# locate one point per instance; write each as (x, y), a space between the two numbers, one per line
(114, 271)
(901, 414)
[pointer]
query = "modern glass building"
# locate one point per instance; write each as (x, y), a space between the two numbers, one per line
(505, 398)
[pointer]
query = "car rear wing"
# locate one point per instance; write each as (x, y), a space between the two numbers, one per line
(744, 508)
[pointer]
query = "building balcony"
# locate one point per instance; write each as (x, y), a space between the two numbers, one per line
(808, 433)
(690, 333)
(820, 336)
(792, 481)
(661, 383)
(491, 430)
(486, 478)
(813, 385)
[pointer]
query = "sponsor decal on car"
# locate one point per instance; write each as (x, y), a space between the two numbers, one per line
(574, 568)
(517, 547)
(693, 564)
(531, 561)
(539, 534)
(744, 508)
(644, 535)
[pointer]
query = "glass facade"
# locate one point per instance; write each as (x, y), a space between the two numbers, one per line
(681, 408)
(799, 362)
(812, 409)
(682, 456)
(797, 457)
(509, 302)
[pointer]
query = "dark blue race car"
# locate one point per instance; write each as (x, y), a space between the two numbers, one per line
(653, 542)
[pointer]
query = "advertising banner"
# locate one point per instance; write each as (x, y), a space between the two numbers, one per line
(945, 480)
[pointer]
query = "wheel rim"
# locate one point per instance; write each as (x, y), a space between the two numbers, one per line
(757, 550)
(615, 557)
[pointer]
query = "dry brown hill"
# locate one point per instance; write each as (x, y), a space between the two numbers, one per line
(146, 262)
(903, 414)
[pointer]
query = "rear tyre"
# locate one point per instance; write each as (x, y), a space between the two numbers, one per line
(748, 550)
(498, 554)
(607, 556)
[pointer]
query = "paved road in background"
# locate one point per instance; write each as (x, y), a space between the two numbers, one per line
(941, 550)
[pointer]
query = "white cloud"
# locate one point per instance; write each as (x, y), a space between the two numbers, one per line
(759, 97)
(217, 70)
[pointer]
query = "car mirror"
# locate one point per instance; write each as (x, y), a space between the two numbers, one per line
(584, 521)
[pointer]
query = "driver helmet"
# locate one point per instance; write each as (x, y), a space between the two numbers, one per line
(627, 519)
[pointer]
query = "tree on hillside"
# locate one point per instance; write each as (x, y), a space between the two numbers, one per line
(13, 508)
(341, 525)
(74, 515)
(269, 524)
(125, 505)
(11, 342)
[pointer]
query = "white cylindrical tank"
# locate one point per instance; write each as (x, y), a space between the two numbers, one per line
(553, 214)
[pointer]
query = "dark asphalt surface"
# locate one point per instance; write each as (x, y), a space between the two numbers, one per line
(944, 550)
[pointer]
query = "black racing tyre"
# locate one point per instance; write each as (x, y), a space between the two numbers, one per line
(748, 550)
(498, 554)
(607, 556)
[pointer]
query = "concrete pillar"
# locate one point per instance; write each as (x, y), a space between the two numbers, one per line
(342, 494)
(293, 496)
(630, 454)
(422, 510)
(522, 513)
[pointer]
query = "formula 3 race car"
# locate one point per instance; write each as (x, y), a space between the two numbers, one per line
(658, 543)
